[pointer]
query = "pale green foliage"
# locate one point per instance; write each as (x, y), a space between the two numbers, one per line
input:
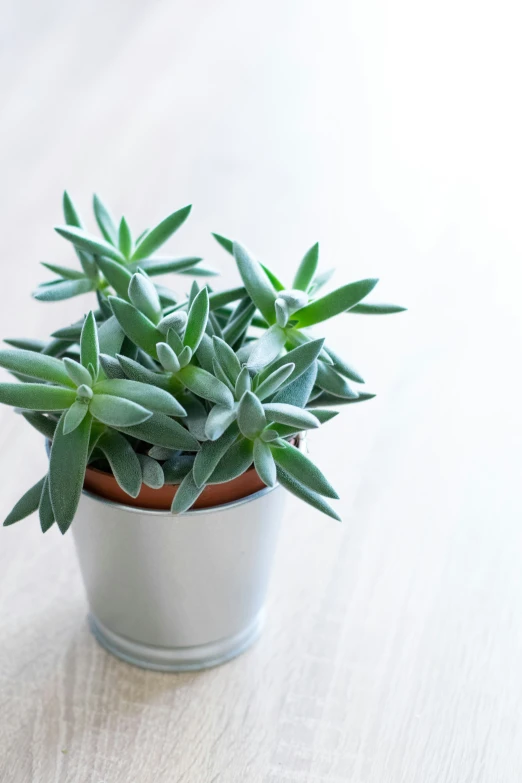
(191, 391)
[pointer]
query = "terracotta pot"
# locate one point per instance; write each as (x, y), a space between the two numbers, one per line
(104, 484)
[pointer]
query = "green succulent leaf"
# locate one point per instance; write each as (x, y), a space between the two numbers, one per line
(176, 321)
(343, 367)
(160, 430)
(278, 285)
(259, 288)
(221, 374)
(27, 504)
(116, 275)
(208, 458)
(236, 460)
(123, 460)
(336, 302)
(35, 365)
(307, 268)
(176, 467)
(218, 420)
(290, 414)
(117, 411)
(371, 308)
(138, 328)
(70, 213)
(144, 297)
(136, 372)
(91, 244)
(89, 348)
(225, 243)
(329, 380)
(239, 322)
(26, 344)
(251, 416)
(267, 348)
(197, 320)
(125, 238)
(110, 336)
(303, 469)
(320, 281)
(64, 271)
(150, 397)
(77, 373)
(105, 221)
(168, 358)
(46, 512)
(161, 266)
(151, 472)
(74, 416)
(205, 385)
(264, 463)
(303, 493)
(187, 494)
(227, 359)
(298, 392)
(63, 289)
(243, 383)
(273, 381)
(36, 396)
(302, 357)
(67, 465)
(325, 399)
(159, 235)
(223, 298)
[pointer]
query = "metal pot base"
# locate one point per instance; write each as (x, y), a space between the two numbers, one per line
(176, 659)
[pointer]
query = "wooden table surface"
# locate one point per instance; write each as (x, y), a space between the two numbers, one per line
(390, 132)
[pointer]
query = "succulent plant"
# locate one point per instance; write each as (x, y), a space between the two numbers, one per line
(190, 392)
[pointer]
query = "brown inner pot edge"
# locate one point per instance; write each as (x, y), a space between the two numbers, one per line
(104, 484)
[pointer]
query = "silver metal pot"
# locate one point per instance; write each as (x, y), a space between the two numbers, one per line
(175, 593)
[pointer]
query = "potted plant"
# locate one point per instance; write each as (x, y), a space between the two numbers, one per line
(155, 405)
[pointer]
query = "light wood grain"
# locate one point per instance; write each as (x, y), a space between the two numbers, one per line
(393, 647)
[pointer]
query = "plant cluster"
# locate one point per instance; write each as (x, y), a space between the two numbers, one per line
(189, 390)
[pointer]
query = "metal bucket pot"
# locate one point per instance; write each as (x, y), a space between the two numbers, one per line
(175, 593)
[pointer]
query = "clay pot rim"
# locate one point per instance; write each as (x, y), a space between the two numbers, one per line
(166, 512)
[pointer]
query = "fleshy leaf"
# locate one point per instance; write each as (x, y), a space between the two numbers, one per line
(330, 380)
(125, 238)
(267, 348)
(371, 308)
(303, 469)
(207, 459)
(303, 493)
(136, 326)
(117, 412)
(307, 268)
(336, 302)
(264, 463)
(187, 494)
(27, 504)
(235, 462)
(74, 416)
(160, 430)
(77, 373)
(105, 221)
(46, 512)
(151, 472)
(89, 349)
(159, 235)
(197, 320)
(273, 381)
(145, 298)
(36, 396)
(35, 365)
(151, 397)
(89, 243)
(67, 470)
(63, 289)
(259, 288)
(123, 460)
(116, 274)
(250, 416)
(205, 385)
(289, 414)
